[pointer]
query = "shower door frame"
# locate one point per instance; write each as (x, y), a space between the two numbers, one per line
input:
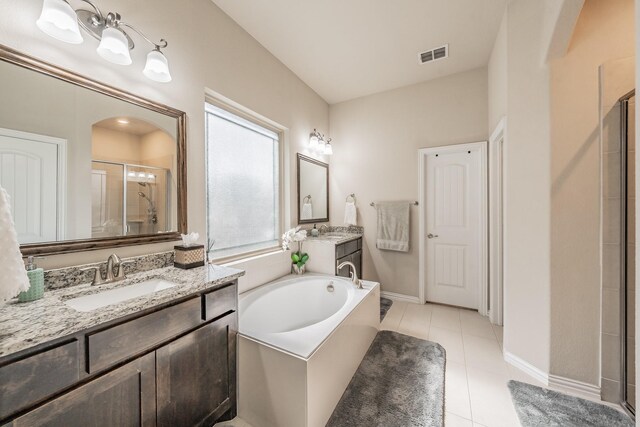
(624, 128)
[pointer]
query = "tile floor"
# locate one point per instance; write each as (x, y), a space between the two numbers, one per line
(476, 378)
(476, 393)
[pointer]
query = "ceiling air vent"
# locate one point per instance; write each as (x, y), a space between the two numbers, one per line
(434, 54)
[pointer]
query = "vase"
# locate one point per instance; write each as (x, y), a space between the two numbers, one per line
(298, 270)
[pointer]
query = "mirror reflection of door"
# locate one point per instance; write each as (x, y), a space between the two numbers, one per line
(32, 172)
(131, 174)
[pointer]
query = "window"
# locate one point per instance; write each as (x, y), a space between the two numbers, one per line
(243, 185)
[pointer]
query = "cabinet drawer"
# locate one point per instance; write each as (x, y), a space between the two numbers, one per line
(119, 342)
(36, 377)
(219, 302)
(346, 248)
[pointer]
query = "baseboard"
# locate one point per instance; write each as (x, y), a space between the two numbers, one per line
(578, 388)
(400, 297)
(527, 368)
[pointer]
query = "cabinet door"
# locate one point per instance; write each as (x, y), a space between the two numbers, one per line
(196, 375)
(123, 397)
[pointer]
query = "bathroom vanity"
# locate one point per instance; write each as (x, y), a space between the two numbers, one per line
(168, 359)
(330, 249)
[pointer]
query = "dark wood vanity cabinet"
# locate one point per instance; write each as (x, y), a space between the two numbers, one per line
(192, 397)
(349, 251)
(122, 397)
(174, 366)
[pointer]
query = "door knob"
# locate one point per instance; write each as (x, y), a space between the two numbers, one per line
(431, 236)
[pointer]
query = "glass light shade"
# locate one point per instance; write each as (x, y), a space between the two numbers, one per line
(59, 20)
(157, 67)
(313, 141)
(328, 150)
(321, 145)
(114, 46)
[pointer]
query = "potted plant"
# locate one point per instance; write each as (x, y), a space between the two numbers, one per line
(298, 258)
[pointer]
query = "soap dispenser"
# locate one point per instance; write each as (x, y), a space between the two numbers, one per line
(36, 279)
(314, 231)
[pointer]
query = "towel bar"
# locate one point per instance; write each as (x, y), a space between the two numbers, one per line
(414, 203)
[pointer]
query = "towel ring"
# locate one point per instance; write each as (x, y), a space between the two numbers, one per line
(307, 199)
(352, 196)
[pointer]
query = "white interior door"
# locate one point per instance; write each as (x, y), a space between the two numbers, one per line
(455, 224)
(29, 171)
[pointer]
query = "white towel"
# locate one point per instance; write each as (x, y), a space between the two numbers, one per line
(14, 277)
(393, 226)
(350, 213)
(307, 211)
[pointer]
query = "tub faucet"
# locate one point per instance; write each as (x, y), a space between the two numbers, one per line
(354, 274)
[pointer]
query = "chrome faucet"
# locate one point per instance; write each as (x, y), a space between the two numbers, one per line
(113, 262)
(354, 274)
(323, 228)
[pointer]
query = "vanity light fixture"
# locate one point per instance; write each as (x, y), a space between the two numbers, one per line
(319, 145)
(60, 21)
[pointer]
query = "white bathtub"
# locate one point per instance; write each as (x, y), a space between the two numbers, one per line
(297, 313)
(299, 345)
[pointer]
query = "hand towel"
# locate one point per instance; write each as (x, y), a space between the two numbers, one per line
(307, 211)
(393, 226)
(13, 279)
(350, 215)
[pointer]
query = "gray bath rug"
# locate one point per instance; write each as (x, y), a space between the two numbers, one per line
(385, 305)
(400, 383)
(538, 407)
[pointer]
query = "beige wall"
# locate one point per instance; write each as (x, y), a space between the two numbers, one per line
(637, 186)
(211, 51)
(604, 31)
(115, 146)
(497, 76)
(376, 157)
(527, 186)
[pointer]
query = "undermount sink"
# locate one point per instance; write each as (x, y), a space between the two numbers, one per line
(102, 299)
(334, 236)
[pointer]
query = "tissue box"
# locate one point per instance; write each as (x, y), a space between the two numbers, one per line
(187, 257)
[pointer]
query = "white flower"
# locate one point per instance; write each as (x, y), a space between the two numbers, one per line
(300, 236)
(293, 235)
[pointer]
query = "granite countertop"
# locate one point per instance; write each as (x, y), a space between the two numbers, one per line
(24, 325)
(334, 238)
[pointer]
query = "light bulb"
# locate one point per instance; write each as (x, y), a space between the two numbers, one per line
(157, 67)
(328, 150)
(59, 20)
(114, 46)
(313, 141)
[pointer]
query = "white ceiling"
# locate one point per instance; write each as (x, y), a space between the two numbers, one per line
(345, 49)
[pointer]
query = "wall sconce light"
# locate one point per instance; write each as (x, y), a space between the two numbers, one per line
(319, 145)
(60, 21)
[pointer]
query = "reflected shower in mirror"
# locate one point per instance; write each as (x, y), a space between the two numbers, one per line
(313, 190)
(83, 163)
(132, 162)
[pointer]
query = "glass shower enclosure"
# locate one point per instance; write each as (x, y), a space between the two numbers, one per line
(627, 272)
(128, 200)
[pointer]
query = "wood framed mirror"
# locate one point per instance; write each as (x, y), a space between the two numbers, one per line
(87, 166)
(313, 190)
